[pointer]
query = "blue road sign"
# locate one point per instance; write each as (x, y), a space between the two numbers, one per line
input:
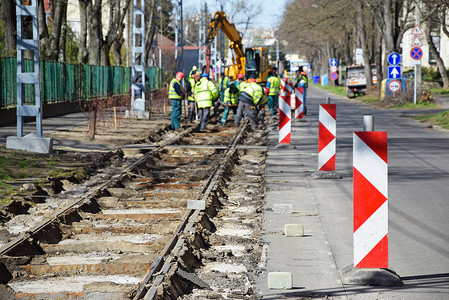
(416, 53)
(394, 59)
(394, 72)
(334, 62)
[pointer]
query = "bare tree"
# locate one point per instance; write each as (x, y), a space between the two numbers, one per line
(97, 52)
(434, 14)
(323, 28)
(53, 41)
(242, 14)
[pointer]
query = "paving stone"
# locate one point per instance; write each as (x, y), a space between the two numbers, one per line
(296, 230)
(280, 280)
(283, 208)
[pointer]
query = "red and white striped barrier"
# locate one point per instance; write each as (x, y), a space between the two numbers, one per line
(285, 123)
(292, 95)
(370, 167)
(299, 103)
(327, 137)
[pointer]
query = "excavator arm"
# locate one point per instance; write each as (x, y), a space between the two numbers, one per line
(219, 21)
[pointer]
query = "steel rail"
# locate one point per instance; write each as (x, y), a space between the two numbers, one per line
(87, 196)
(204, 193)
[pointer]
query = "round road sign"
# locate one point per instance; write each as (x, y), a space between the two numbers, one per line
(394, 86)
(333, 68)
(394, 59)
(416, 53)
(334, 75)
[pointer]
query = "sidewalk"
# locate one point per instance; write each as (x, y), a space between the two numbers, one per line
(63, 123)
(308, 258)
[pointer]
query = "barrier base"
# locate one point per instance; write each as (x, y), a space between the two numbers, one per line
(326, 175)
(372, 277)
(31, 143)
(137, 114)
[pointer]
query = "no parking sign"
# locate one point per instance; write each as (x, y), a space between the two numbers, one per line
(416, 53)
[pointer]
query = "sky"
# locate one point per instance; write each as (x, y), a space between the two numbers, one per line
(271, 14)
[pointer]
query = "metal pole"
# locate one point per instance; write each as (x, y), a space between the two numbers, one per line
(418, 73)
(328, 100)
(368, 123)
(414, 86)
(277, 55)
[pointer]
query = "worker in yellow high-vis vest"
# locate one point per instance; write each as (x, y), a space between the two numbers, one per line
(175, 94)
(248, 99)
(273, 85)
(205, 94)
(230, 100)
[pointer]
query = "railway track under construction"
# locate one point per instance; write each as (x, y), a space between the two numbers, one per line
(143, 233)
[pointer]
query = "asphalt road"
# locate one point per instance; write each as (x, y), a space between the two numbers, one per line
(418, 163)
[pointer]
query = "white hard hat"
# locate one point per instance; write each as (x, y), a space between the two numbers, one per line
(194, 68)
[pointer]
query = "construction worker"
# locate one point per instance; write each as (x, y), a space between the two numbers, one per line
(275, 72)
(175, 94)
(230, 102)
(223, 84)
(260, 108)
(205, 94)
(240, 83)
(248, 99)
(302, 80)
(190, 88)
(273, 85)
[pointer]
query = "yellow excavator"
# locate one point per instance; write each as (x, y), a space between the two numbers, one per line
(252, 63)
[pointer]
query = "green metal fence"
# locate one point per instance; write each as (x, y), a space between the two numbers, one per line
(67, 82)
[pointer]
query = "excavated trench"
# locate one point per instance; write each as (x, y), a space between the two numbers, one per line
(108, 245)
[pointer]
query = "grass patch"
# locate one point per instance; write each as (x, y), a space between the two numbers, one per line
(6, 187)
(368, 99)
(15, 166)
(423, 105)
(440, 119)
(78, 174)
(338, 90)
(439, 91)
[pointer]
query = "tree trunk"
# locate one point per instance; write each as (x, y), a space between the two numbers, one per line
(63, 36)
(52, 44)
(436, 55)
(364, 44)
(95, 34)
(378, 61)
(83, 53)
(117, 51)
(388, 29)
(8, 13)
(150, 30)
(105, 61)
(43, 32)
